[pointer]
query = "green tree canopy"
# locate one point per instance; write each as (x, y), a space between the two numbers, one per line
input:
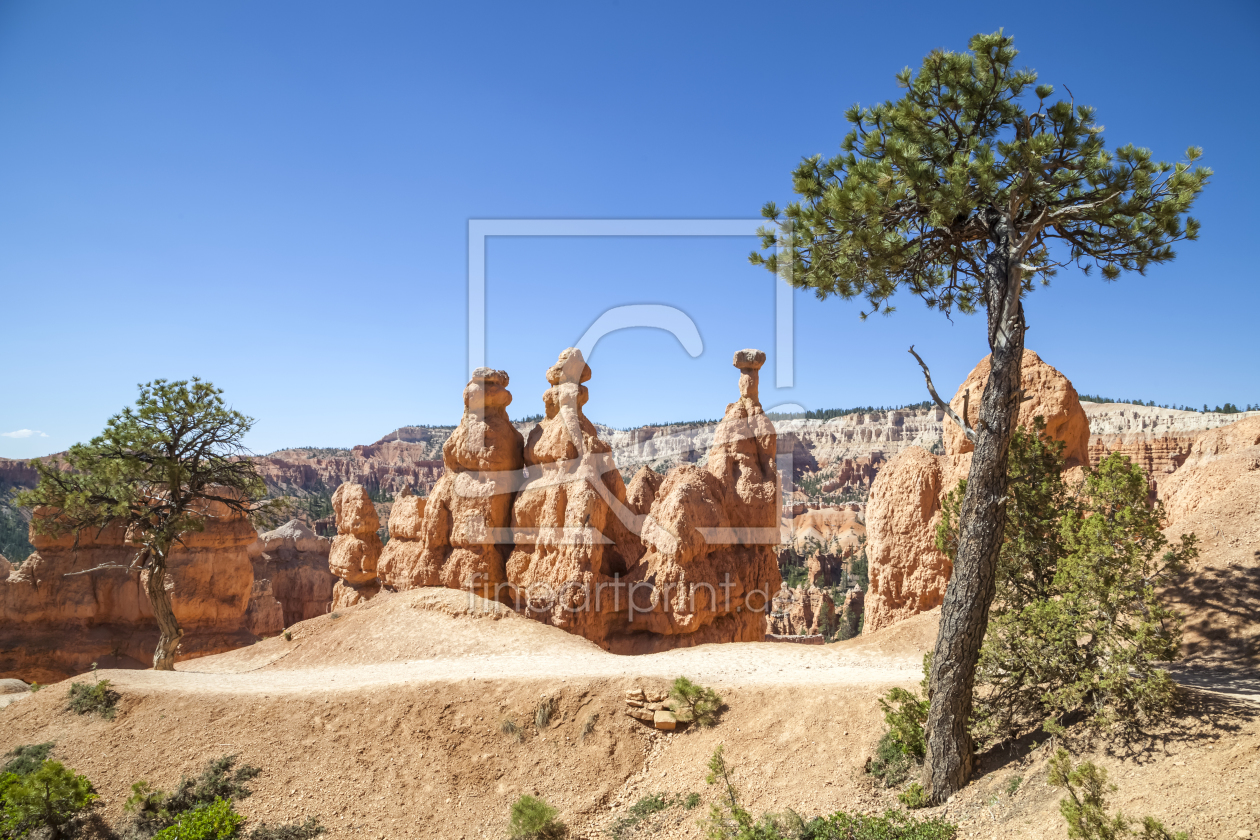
(161, 470)
(925, 184)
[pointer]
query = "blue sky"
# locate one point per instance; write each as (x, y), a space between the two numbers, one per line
(275, 196)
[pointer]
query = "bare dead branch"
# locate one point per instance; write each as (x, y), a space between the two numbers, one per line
(953, 415)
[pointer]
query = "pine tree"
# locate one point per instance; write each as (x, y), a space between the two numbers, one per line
(160, 470)
(959, 194)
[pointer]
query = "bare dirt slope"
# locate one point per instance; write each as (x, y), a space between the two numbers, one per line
(385, 722)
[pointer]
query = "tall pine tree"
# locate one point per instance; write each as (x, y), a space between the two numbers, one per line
(961, 194)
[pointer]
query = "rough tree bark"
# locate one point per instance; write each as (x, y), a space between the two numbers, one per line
(982, 520)
(169, 631)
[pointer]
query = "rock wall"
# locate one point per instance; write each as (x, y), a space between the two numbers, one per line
(54, 623)
(1156, 439)
(295, 561)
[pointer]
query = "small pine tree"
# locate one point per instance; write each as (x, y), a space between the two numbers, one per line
(1078, 620)
(534, 819)
(1085, 808)
(694, 703)
(45, 801)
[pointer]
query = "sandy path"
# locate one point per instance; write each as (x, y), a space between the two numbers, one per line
(752, 665)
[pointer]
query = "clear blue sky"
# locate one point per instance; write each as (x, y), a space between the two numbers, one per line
(275, 196)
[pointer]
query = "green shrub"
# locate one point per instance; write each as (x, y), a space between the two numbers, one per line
(693, 703)
(1085, 808)
(97, 697)
(26, 759)
(154, 810)
(691, 801)
(306, 830)
(901, 749)
(1079, 621)
(220, 779)
(914, 797)
(1013, 785)
(534, 819)
(890, 764)
(216, 821)
(47, 800)
(893, 825)
(728, 820)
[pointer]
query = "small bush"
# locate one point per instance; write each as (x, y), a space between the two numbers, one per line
(544, 712)
(625, 827)
(220, 779)
(509, 728)
(694, 703)
(26, 759)
(913, 797)
(728, 820)
(1085, 808)
(903, 746)
(216, 821)
(893, 825)
(97, 697)
(292, 831)
(1013, 785)
(43, 801)
(288, 635)
(153, 810)
(35, 687)
(534, 819)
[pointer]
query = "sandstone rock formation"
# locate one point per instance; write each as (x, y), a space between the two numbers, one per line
(714, 529)
(296, 563)
(5, 567)
(835, 531)
(805, 611)
(907, 573)
(264, 616)
(1053, 398)
(641, 491)
(54, 623)
(402, 555)
(853, 609)
(357, 547)
(573, 528)
(465, 527)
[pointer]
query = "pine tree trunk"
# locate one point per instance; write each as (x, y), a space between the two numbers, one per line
(982, 520)
(168, 627)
